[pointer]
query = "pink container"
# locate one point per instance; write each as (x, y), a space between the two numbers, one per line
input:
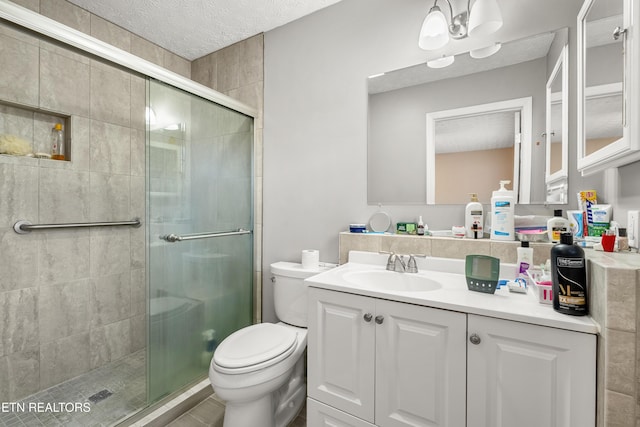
(544, 290)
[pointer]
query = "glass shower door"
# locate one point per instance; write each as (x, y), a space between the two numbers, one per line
(200, 245)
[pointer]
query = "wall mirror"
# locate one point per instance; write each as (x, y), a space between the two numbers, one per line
(399, 102)
(557, 130)
(602, 104)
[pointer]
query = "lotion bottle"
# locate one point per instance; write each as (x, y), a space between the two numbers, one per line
(557, 225)
(525, 258)
(474, 214)
(502, 213)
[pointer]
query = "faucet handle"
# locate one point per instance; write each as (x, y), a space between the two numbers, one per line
(412, 265)
(391, 260)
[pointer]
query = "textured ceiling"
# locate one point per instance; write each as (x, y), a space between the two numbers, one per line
(194, 28)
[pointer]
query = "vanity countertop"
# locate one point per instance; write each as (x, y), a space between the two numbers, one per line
(453, 295)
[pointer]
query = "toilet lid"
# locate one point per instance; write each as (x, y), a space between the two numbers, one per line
(255, 345)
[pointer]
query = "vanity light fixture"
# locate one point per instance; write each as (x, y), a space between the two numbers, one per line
(485, 52)
(443, 61)
(479, 20)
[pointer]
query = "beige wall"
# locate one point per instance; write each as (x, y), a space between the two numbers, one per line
(556, 157)
(594, 145)
(459, 174)
(237, 71)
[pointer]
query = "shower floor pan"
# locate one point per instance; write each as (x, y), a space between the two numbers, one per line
(106, 395)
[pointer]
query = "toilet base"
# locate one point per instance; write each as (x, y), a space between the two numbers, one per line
(275, 409)
(256, 413)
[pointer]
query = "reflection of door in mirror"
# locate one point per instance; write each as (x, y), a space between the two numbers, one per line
(557, 111)
(603, 76)
(554, 135)
(471, 149)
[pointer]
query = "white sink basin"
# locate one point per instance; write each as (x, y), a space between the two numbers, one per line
(383, 280)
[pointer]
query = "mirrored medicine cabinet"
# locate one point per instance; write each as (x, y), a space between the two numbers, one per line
(608, 85)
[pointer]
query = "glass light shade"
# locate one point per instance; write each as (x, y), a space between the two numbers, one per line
(485, 52)
(485, 18)
(435, 31)
(442, 62)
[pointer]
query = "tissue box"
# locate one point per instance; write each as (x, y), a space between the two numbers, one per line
(544, 290)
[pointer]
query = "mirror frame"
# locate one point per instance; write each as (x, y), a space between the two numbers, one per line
(626, 149)
(561, 66)
(522, 146)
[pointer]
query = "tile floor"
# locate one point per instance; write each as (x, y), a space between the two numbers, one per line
(124, 379)
(210, 413)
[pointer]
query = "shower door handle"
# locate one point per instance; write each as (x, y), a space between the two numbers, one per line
(195, 236)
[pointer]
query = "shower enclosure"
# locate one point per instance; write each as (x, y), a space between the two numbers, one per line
(96, 311)
(199, 180)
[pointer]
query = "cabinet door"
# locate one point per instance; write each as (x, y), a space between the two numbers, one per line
(420, 366)
(341, 345)
(529, 376)
(321, 415)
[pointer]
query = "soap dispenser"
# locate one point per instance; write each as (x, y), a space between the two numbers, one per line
(474, 218)
(502, 213)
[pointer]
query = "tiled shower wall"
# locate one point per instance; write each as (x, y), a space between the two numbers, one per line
(71, 300)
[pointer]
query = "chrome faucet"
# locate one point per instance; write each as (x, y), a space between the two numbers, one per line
(396, 263)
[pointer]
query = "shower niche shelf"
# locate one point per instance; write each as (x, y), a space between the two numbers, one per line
(25, 132)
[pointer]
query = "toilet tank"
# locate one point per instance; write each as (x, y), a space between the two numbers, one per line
(290, 290)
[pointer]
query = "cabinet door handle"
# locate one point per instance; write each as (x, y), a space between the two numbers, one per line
(475, 339)
(379, 319)
(368, 317)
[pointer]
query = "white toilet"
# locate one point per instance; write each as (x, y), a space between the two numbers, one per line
(259, 370)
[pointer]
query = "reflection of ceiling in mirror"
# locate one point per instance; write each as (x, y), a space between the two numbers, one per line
(603, 117)
(511, 53)
(474, 133)
(600, 32)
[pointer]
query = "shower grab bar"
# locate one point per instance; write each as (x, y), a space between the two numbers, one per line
(24, 227)
(177, 238)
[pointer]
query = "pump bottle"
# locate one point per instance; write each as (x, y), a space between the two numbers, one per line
(474, 218)
(502, 213)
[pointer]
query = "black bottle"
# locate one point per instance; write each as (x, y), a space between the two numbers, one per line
(569, 275)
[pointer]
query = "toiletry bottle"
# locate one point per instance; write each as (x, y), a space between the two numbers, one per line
(623, 240)
(420, 226)
(569, 276)
(502, 213)
(473, 215)
(557, 225)
(525, 258)
(57, 142)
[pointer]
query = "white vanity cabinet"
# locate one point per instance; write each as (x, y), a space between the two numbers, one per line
(529, 376)
(374, 362)
(386, 363)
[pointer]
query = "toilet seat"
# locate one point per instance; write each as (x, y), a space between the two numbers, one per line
(254, 347)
